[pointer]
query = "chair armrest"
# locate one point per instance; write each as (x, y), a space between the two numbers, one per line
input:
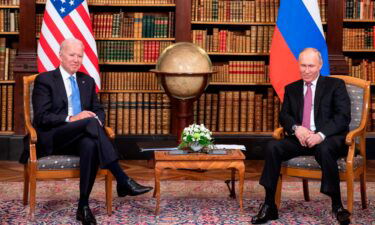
(32, 133)
(278, 133)
(110, 132)
(353, 134)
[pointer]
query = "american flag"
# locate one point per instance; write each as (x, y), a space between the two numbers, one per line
(67, 19)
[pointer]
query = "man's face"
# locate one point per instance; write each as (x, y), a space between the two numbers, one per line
(71, 57)
(309, 65)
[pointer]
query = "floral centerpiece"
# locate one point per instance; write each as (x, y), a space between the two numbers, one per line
(196, 137)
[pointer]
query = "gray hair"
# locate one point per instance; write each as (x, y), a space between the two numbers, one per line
(70, 40)
(316, 51)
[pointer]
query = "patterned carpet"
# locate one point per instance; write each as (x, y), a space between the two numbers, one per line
(182, 202)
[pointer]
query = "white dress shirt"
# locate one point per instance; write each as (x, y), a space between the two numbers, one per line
(68, 88)
(313, 89)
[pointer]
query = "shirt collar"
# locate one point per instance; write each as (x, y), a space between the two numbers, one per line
(313, 83)
(65, 75)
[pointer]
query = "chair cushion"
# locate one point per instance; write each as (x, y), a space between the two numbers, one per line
(309, 162)
(58, 162)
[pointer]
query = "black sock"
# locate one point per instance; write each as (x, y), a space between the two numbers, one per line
(336, 200)
(270, 197)
(117, 172)
(83, 201)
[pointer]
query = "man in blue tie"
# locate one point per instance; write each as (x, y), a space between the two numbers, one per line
(315, 115)
(69, 120)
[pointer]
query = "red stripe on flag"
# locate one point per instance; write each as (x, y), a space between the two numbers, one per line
(49, 51)
(53, 28)
(85, 16)
(284, 67)
(77, 33)
(41, 68)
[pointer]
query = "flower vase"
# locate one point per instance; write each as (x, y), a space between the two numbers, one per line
(195, 146)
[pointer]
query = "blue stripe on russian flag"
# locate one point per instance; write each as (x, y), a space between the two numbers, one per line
(300, 30)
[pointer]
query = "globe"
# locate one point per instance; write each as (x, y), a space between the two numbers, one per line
(185, 67)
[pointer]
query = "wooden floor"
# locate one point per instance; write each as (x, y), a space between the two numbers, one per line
(141, 170)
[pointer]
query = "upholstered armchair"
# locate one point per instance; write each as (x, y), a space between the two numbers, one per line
(53, 166)
(351, 167)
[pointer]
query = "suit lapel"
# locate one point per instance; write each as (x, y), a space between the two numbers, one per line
(82, 86)
(300, 99)
(320, 85)
(60, 85)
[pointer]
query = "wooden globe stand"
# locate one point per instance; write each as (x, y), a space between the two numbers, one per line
(183, 105)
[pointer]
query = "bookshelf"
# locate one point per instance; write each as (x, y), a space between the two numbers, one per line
(9, 30)
(188, 18)
(359, 46)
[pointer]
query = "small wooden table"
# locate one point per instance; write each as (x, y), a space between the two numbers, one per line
(233, 160)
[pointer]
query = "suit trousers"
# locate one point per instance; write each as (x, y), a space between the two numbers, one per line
(326, 154)
(87, 139)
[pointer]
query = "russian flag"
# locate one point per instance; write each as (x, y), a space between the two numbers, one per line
(298, 26)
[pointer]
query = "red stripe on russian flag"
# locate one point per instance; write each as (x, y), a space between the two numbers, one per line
(283, 65)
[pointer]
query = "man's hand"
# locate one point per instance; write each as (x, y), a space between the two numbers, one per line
(302, 133)
(82, 115)
(313, 139)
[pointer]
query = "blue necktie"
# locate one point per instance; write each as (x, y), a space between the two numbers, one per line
(75, 98)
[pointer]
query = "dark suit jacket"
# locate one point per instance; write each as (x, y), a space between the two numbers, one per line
(331, 106)
(50, 105)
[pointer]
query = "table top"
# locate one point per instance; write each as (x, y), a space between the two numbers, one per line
(234, 154)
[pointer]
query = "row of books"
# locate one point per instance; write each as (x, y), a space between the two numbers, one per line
(129, 81)
(235, 11)
(9, 19)
(238, 111)
(119, 2)
(133, 25)
(359, 38)
(7, 57)
(363, 69)
(10, 2)
(6, 107)
(241, 10)
(255, 40)
(137, 113)
(359, 9)
(130, 51)
(241, 72)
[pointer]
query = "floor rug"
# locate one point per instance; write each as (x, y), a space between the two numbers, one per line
(182, 202)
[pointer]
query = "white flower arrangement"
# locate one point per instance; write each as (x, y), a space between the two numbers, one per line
(196, 137)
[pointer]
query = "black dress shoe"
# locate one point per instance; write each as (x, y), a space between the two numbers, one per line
(265, 214)
(85, 215)
(131, 188)
(342, 215)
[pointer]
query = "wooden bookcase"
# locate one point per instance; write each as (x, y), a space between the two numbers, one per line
(359, 46)
(9, 12)
(184, 25)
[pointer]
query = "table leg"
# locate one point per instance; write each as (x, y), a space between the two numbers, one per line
(241, 177)
(157, 187)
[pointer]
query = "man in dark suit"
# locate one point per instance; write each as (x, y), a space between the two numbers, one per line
(69, 120)
(315, 115)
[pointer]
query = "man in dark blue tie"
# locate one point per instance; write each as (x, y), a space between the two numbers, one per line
(315, 115)
(69, 120)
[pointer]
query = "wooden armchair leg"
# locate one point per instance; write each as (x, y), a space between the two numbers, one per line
(350, 193)
(306, 194)
(363, 190)
(278, 192)
(32, 197)
(26, 184)
(108, 192)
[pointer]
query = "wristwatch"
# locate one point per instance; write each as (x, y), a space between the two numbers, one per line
(294, 128)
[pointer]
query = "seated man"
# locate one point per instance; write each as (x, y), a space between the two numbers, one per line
(315, 115)
(69, 120)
